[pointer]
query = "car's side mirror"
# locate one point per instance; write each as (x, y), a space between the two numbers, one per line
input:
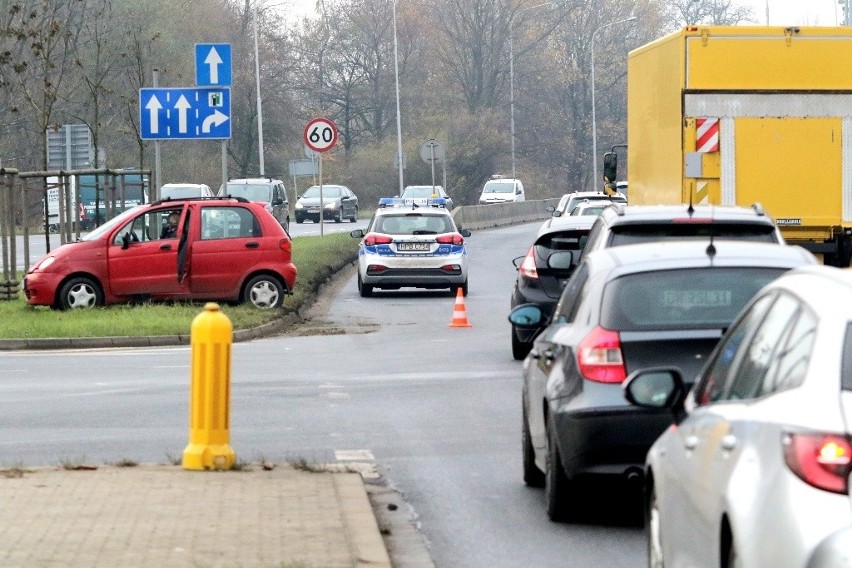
(465, 233)
(657, 388)
(357, 233)
(561, 260)
(527, 316)
(125, 241)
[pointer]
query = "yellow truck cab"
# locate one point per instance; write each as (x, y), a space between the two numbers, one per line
(742, 115)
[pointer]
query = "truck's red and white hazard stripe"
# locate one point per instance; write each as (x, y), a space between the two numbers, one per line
(707, 134)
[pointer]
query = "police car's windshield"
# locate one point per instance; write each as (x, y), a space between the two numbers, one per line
(499, 188)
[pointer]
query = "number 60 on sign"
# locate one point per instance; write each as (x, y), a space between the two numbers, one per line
(320, 134)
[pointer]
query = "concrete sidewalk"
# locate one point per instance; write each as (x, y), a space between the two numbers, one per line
(165, 516)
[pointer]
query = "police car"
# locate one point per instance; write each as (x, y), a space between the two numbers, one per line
(411, 245)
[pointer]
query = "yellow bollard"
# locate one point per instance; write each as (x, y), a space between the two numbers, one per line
(210, 392)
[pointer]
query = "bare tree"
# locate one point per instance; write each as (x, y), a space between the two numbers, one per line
(679, 13)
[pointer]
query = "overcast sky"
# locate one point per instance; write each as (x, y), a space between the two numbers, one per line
(781, 12)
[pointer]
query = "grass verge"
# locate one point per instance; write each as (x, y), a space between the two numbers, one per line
(316, 258)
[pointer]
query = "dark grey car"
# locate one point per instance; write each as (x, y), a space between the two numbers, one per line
(626, 308)
(338, 203)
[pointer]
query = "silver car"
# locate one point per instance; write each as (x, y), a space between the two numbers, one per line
(756, 470)
(407, 245)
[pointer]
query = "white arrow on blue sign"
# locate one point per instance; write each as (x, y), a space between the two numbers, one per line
(212, 64)
(166, 114)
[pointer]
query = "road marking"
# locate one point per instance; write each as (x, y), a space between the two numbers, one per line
(354, 455)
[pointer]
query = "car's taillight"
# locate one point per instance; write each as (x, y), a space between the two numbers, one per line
(453, 239)
(820, 459)
(527, 268)
(373, 239)
(599, 357)
(286, 245)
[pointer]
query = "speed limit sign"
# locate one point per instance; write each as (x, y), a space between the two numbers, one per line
(320, 135)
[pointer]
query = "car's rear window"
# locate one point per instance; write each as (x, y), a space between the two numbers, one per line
(414, 224)
(564, 240)
(629, 234)
(687, 298)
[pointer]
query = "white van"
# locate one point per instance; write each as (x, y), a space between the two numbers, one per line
(502, 190)
(184, 190)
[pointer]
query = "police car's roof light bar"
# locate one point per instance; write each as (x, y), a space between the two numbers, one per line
(412, 202)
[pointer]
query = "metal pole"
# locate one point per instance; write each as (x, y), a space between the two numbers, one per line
(225, 163)
(594, 118)
(398, 119)
(158, 182)
(512, 93)
(259, 111)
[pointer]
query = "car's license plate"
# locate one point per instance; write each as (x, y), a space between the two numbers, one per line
(412, 246)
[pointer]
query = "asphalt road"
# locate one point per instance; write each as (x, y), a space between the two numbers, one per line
(383, 380)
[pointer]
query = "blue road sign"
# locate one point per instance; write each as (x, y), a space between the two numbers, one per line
(166, 114)
(212, 64)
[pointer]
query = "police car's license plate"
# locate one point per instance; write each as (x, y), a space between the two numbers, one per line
(412, 246)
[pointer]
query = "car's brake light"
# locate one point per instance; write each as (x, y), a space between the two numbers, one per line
(599, 357)
(528, 269)
(452, 239)
(286, 245)
(373, 239)
(819, 459)
(693, 220)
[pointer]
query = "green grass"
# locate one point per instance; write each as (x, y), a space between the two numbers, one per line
(316, 259)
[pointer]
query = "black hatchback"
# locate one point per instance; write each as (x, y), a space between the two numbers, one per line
(626, 308)
(545, 269)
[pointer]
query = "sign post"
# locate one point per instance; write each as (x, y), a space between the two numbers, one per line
(320, 136)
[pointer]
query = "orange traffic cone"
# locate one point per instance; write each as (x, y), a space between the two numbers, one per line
(459, 311)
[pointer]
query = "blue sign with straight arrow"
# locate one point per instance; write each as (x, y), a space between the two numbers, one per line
(212, 64)
(166, 114)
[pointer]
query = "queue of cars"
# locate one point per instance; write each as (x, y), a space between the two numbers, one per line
(692, 350)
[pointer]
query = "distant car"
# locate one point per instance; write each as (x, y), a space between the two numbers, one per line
(623, 309)
(223, 249)
(628, 224)
(569, 201)
(338, 203)
(593, 208)
(502, 190)
(420, 193)
(269, 192)
(542, 273)
(407, 245)
(756, 470)
(184, 190)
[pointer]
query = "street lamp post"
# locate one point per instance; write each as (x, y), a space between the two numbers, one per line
(594, 119)
(398, 119)
(512, 78)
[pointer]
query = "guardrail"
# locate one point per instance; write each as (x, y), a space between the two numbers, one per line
(477, 217)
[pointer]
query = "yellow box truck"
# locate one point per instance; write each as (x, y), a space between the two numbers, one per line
(742, 115)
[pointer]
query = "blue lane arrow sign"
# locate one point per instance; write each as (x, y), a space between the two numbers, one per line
(166, 114)
(212, 64)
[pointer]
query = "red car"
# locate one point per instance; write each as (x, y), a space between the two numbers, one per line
(228, 250)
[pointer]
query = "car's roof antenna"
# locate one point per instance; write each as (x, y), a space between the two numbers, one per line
(690, 210)
(711, 248)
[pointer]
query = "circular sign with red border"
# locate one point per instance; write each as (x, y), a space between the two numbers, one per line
(320, 134)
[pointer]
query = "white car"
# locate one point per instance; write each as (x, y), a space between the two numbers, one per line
(411, 245)
(756, 469)
(502, 190)
(185, 190)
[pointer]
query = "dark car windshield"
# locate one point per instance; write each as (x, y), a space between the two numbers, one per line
(629, 234)
(687, 298)
(327, 191)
